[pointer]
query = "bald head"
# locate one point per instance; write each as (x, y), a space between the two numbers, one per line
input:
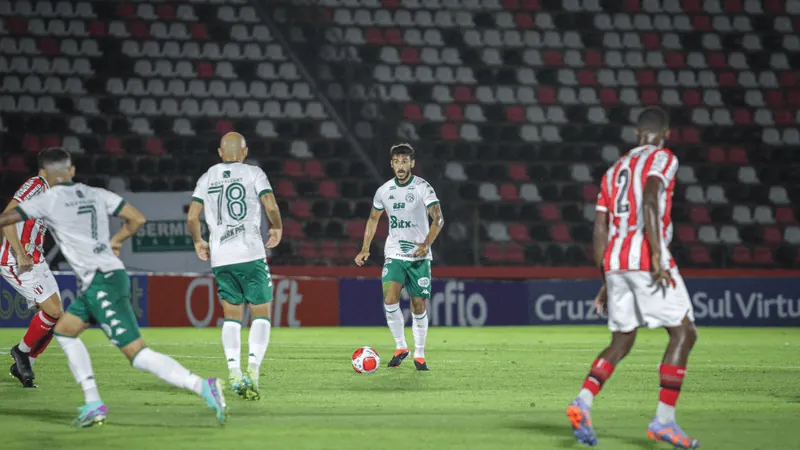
(232, 147)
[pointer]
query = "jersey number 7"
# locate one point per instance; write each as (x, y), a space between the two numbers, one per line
(234, 196)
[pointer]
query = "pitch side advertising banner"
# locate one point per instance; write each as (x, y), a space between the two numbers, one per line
(453, 303)
(14, 310)
(191, 301)
(758, 302)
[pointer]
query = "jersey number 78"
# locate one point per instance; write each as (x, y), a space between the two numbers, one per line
(234, 196)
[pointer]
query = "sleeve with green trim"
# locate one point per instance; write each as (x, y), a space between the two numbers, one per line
(377, 203)
(428, 194)
(201, 189)
(112, 202)
(261, 182)
(39, 207)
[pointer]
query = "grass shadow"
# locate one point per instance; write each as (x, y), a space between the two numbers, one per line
(568, 441)
(41, 415)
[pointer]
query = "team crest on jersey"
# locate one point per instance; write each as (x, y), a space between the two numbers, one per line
(100, 248)
(410, 197)
(424, 282)
(79, 194)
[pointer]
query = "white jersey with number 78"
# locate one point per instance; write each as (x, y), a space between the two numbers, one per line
(230, 194)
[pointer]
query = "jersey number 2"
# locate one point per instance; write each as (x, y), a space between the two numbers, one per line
(623, 180)
(234, 197)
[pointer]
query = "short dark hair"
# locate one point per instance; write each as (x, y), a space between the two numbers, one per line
(402, 149)
(653, 118)
(52, 155)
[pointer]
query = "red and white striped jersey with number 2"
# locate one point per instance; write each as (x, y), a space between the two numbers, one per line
(621, 196)
(31, 232)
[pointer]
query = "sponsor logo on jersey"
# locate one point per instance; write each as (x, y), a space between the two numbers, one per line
(38, 289)
(410, 197)
(424, 282)
(100, 248)
(391, 197)
(384, 272)
(79, 194)
(226, 174)
(232, 233)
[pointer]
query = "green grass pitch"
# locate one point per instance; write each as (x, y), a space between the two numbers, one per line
(489, 388)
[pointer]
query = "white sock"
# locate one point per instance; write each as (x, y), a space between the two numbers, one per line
(665, 413)
(395, 319)
(80, 364)
(167, 369)
(24, 347)
(420, 330)
(232, 344)
(32, 360)
(587, 396)
(258, 343)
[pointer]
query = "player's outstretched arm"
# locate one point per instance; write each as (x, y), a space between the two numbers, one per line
(24, 262)
(134, 220)
(437, 223)
(369, 234)
(270, 206)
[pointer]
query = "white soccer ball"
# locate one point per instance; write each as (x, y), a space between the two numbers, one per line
(366, 360)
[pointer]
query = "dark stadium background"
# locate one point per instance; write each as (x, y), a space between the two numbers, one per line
(516, 108)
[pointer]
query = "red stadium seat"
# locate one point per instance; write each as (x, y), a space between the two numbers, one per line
(31, 143)
(518, 172)
(286, 189)
(329, 250)
(355, 229)
(293, 168)
(519, 232)
(313, 168)
(300, 209)
(308, 250)
(292, 229)
(509, 192)
(549, 212)
(328, 189)
(560, 233)
(112, 145)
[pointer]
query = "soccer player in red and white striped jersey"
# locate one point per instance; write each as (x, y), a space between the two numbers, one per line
(642, 286)
(23, 265)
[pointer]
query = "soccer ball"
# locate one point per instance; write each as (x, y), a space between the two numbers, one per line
(366, 360)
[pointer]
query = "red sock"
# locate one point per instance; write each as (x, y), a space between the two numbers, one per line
(41, 325)
(41, 345)
(671, 381)
(601, 370)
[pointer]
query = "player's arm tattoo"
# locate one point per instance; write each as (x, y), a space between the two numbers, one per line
(651, 216)
(437, 222)
(273, 211)
(193, 220)
(10, 232)
(371, 228)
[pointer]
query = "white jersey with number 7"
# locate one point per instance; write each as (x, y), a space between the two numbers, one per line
(230, 194)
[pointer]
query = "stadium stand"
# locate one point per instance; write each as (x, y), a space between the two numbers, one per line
(516, 108)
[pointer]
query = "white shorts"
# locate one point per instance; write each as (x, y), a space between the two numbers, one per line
(633, 304)
(36, 285)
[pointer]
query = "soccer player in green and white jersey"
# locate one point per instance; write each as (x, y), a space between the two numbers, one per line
(233, 194)
(408, 201)
(77, 215)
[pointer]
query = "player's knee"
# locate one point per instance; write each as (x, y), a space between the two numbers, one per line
(52, 307)
(417, 305)
(622, 343)
(133, 348)
(391, 295)
(231, 311)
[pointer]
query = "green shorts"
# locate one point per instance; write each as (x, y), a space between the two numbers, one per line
(107, 302)
(414, 275)
(248, 282)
